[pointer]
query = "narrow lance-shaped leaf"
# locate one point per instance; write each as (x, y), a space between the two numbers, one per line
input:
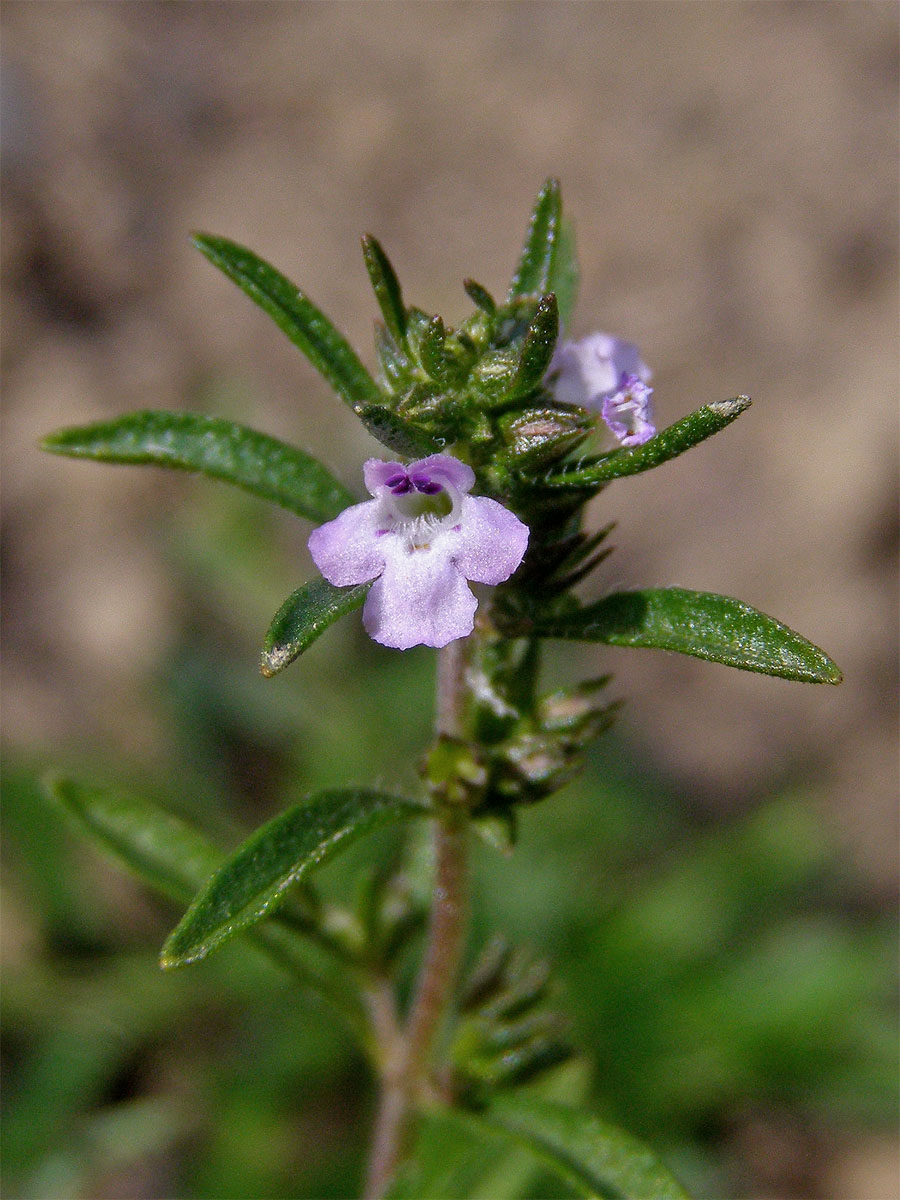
(536, 260)
(164, 851)
(596, 1159)
(306, 325)
(398, 434)
(564, 279)
(262, 465)
(701, 624)
(450, 1158)
(431, 351)
(178, 860)
(395, 365)
(257, 875)
(480, 296)
(458, 1154)
(669, 443)
(386, 287)
(537, 348)
(305, 615)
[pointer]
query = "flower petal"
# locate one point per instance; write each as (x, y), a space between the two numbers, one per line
(584, 372)
(490, 542)
(348, 549)
(420, 599)
(446, 469)
(376, 473)
(627, 412)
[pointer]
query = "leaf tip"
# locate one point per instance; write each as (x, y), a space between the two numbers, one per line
(832, 673)
(172, 955)
(273, 660)
(53, 443)
(729, 409)
(52, 784)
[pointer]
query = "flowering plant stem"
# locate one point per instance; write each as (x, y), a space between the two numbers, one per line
(404, 1075)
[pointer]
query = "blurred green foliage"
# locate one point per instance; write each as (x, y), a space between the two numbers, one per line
(713, 969)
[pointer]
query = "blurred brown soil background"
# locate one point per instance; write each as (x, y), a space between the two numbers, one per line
(732, 172)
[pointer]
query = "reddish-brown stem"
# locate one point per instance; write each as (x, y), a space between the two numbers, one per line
(405, 1070)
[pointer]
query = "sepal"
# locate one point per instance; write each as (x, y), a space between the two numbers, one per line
(536, 437)
(536, 349)
(507, 1033)
(480, 297)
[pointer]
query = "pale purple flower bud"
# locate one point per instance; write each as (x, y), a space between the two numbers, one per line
(420, 539)
(627, 412)
(585, 372)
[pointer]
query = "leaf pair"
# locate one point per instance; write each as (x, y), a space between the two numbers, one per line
(700, 624)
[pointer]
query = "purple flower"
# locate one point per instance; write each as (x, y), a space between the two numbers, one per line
(627, 411)
(420, 539)
(607, 374)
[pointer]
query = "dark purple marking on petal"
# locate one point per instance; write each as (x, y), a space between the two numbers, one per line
(423, 483)
(399, 485)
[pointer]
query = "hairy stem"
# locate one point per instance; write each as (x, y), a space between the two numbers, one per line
(405, 1071)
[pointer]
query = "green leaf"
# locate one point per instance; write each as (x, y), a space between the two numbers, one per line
(564, 273)
(536, 261)
(307, 326)
(457, 1155)
(255, 878)
(701, 624)
(386, 287)
(431, 348)
(305, 615)
(260, 464)
(596, 1159)
(537, 348)
(399, 435)
(457, 1150)
(451, 1160)
(669, 443)
(395, 365)
(178, 860)
(165, 852)
(480, 296)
